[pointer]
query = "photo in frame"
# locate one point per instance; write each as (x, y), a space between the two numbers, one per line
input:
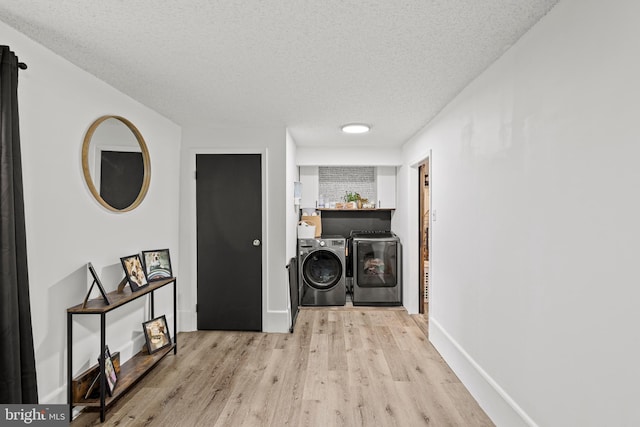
(110, 371)
(156, 333)
(157, 264)
(96, 282)
(134, 272)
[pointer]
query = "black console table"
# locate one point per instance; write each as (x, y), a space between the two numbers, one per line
(129, 372)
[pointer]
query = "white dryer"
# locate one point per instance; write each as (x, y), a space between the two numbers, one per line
(321, 266)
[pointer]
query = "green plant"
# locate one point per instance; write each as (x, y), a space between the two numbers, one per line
(351, 197)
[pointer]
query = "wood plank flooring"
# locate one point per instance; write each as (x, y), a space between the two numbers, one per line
(342, 366)
(422, 320)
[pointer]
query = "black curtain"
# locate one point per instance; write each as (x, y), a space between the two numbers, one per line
(17, 360)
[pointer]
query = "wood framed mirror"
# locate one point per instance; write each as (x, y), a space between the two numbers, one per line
(116, 163)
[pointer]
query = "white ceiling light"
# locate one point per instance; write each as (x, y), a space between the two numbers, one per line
(356, 128)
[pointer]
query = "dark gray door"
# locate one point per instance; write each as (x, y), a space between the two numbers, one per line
(229, 222)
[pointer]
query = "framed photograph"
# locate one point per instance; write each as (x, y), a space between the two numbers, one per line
(156, 333)
(110, 371)
(134, 272)
(157, 264)
(96, 282)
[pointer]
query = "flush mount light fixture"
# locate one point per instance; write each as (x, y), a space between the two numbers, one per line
(356, 128)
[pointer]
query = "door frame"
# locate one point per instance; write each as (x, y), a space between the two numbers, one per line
(413, 280)
(192, 229)
(421, 178)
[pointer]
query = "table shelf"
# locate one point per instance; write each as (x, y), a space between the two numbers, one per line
(130, 373)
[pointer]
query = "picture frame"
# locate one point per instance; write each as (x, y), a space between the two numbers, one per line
(157, 264)
(134, 272)
(156, 334)
(96, 282)
(110, 371)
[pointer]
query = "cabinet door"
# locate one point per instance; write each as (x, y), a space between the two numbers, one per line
(309, 177)
(386, 185)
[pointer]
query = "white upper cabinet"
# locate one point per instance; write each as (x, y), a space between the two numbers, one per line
(386, 186)
(309, 177)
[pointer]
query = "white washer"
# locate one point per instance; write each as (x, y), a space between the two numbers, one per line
(321, 266)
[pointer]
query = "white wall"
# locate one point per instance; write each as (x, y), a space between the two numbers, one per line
(292, 210)
(349, 156)
(272, 144)
(293, 175)
(534, 257)
(404, 223)
(66, 227)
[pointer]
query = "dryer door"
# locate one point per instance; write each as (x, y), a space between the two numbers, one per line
(376, 264)
(322, 269)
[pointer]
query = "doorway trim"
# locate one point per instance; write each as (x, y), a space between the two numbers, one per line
(422, 178)
(191, 224)
(411, 242)
(421, 297)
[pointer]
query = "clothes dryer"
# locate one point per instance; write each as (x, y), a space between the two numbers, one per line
(377, 268)
(321, 266)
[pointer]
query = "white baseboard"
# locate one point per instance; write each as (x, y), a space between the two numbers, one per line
(59, 397)
(56, 397)
(187, 321)
(492, 398)
(276, 321)
(273, 321)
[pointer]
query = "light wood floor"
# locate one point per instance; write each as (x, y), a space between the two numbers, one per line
(341, 367)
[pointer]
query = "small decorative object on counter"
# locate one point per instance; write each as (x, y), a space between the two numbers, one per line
(351, 197)
(353, 200)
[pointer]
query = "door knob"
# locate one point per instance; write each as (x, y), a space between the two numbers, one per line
(256, 242)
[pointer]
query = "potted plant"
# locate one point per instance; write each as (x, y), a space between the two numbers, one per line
(353, 200)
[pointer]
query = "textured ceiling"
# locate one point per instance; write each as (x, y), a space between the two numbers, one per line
(307, 65)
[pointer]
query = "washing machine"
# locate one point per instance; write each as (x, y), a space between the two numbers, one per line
(321, 266)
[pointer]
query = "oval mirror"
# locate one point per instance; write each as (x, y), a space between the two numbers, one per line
(115, 163)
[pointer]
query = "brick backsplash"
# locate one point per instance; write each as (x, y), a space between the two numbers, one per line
(335, 181)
